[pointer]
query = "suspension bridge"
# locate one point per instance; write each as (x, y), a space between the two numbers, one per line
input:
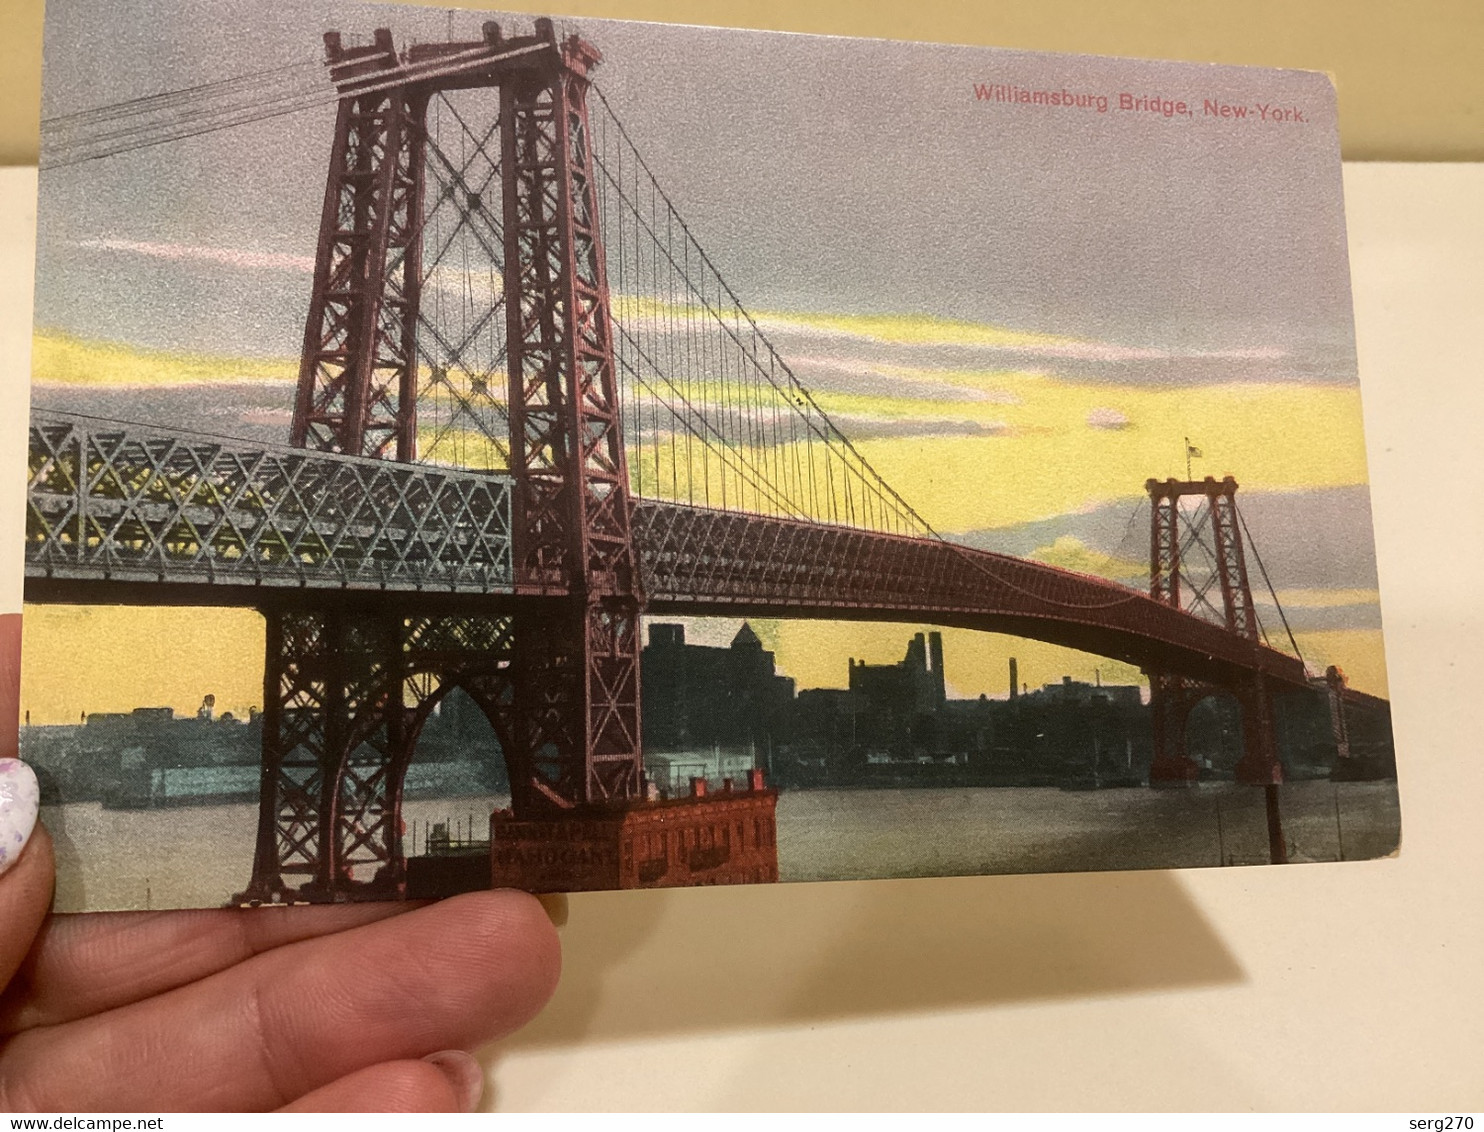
(529, 411)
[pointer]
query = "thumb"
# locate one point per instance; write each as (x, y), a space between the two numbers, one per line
(26, 867)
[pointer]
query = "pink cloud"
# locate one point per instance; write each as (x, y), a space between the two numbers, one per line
(1107, 419)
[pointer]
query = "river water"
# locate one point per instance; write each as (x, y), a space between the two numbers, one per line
(197, 856)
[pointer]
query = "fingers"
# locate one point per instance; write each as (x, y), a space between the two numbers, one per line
(294, 1019)
(450, 1081)
(26, 866)
(25, 896)
(82, 965)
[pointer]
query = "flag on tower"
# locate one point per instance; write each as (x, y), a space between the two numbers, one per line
(1191, 450)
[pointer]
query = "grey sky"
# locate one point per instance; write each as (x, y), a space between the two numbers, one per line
(1308, 539)
(821, 174)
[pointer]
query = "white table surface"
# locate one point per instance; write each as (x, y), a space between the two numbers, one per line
(1350, 986)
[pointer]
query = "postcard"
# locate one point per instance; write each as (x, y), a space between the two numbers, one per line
(473, 450)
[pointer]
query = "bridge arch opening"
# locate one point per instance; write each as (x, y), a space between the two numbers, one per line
(1213, 730)
(454, 773)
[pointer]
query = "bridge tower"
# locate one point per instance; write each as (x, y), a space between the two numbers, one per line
(558, 675)
(1171, 696)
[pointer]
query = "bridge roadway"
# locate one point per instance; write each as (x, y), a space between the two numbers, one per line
(122, 513)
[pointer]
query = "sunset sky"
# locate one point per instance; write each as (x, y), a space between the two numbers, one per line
(1017, 312)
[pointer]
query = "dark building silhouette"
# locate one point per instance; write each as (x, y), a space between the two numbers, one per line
(914, 684)
(895, 726)
(897, 706)
(715, 713)
(148, 757)
(457, 753)
(1071, 734)
(700, 697)
(152, 757)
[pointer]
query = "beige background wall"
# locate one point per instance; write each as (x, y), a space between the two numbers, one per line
(1409, 76)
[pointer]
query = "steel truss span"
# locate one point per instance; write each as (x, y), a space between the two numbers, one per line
(139, 509)
(128, 503)
(134, 507)
(713, 562)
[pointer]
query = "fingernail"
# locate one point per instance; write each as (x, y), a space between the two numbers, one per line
(20, 799)
(464, 1073)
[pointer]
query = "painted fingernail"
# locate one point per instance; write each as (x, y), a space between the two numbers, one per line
(20, 798)
(464, 1073)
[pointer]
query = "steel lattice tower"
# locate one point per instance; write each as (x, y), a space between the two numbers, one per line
(571, 506)
(347, 692)
(1172, 697)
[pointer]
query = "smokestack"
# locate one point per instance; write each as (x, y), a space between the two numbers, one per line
(1014, 680)
(916, 657)
(935, 654)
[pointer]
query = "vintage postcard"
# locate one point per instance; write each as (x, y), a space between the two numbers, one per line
(472, 449)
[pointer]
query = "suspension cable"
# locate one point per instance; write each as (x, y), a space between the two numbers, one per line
(1257, 554)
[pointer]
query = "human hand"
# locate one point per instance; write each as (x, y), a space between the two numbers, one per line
(359, 1007)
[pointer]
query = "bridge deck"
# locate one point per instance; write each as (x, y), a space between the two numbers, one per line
(699, 561)
(132, 513)
(118, 503)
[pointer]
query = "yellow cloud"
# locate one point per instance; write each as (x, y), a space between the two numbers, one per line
(1326, 599)
(1073, 554)
(1360, 654)
(909, 329)
(61, 359)
(1036, 458)
(915, 329)
(1271, 437)
(459, 448)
